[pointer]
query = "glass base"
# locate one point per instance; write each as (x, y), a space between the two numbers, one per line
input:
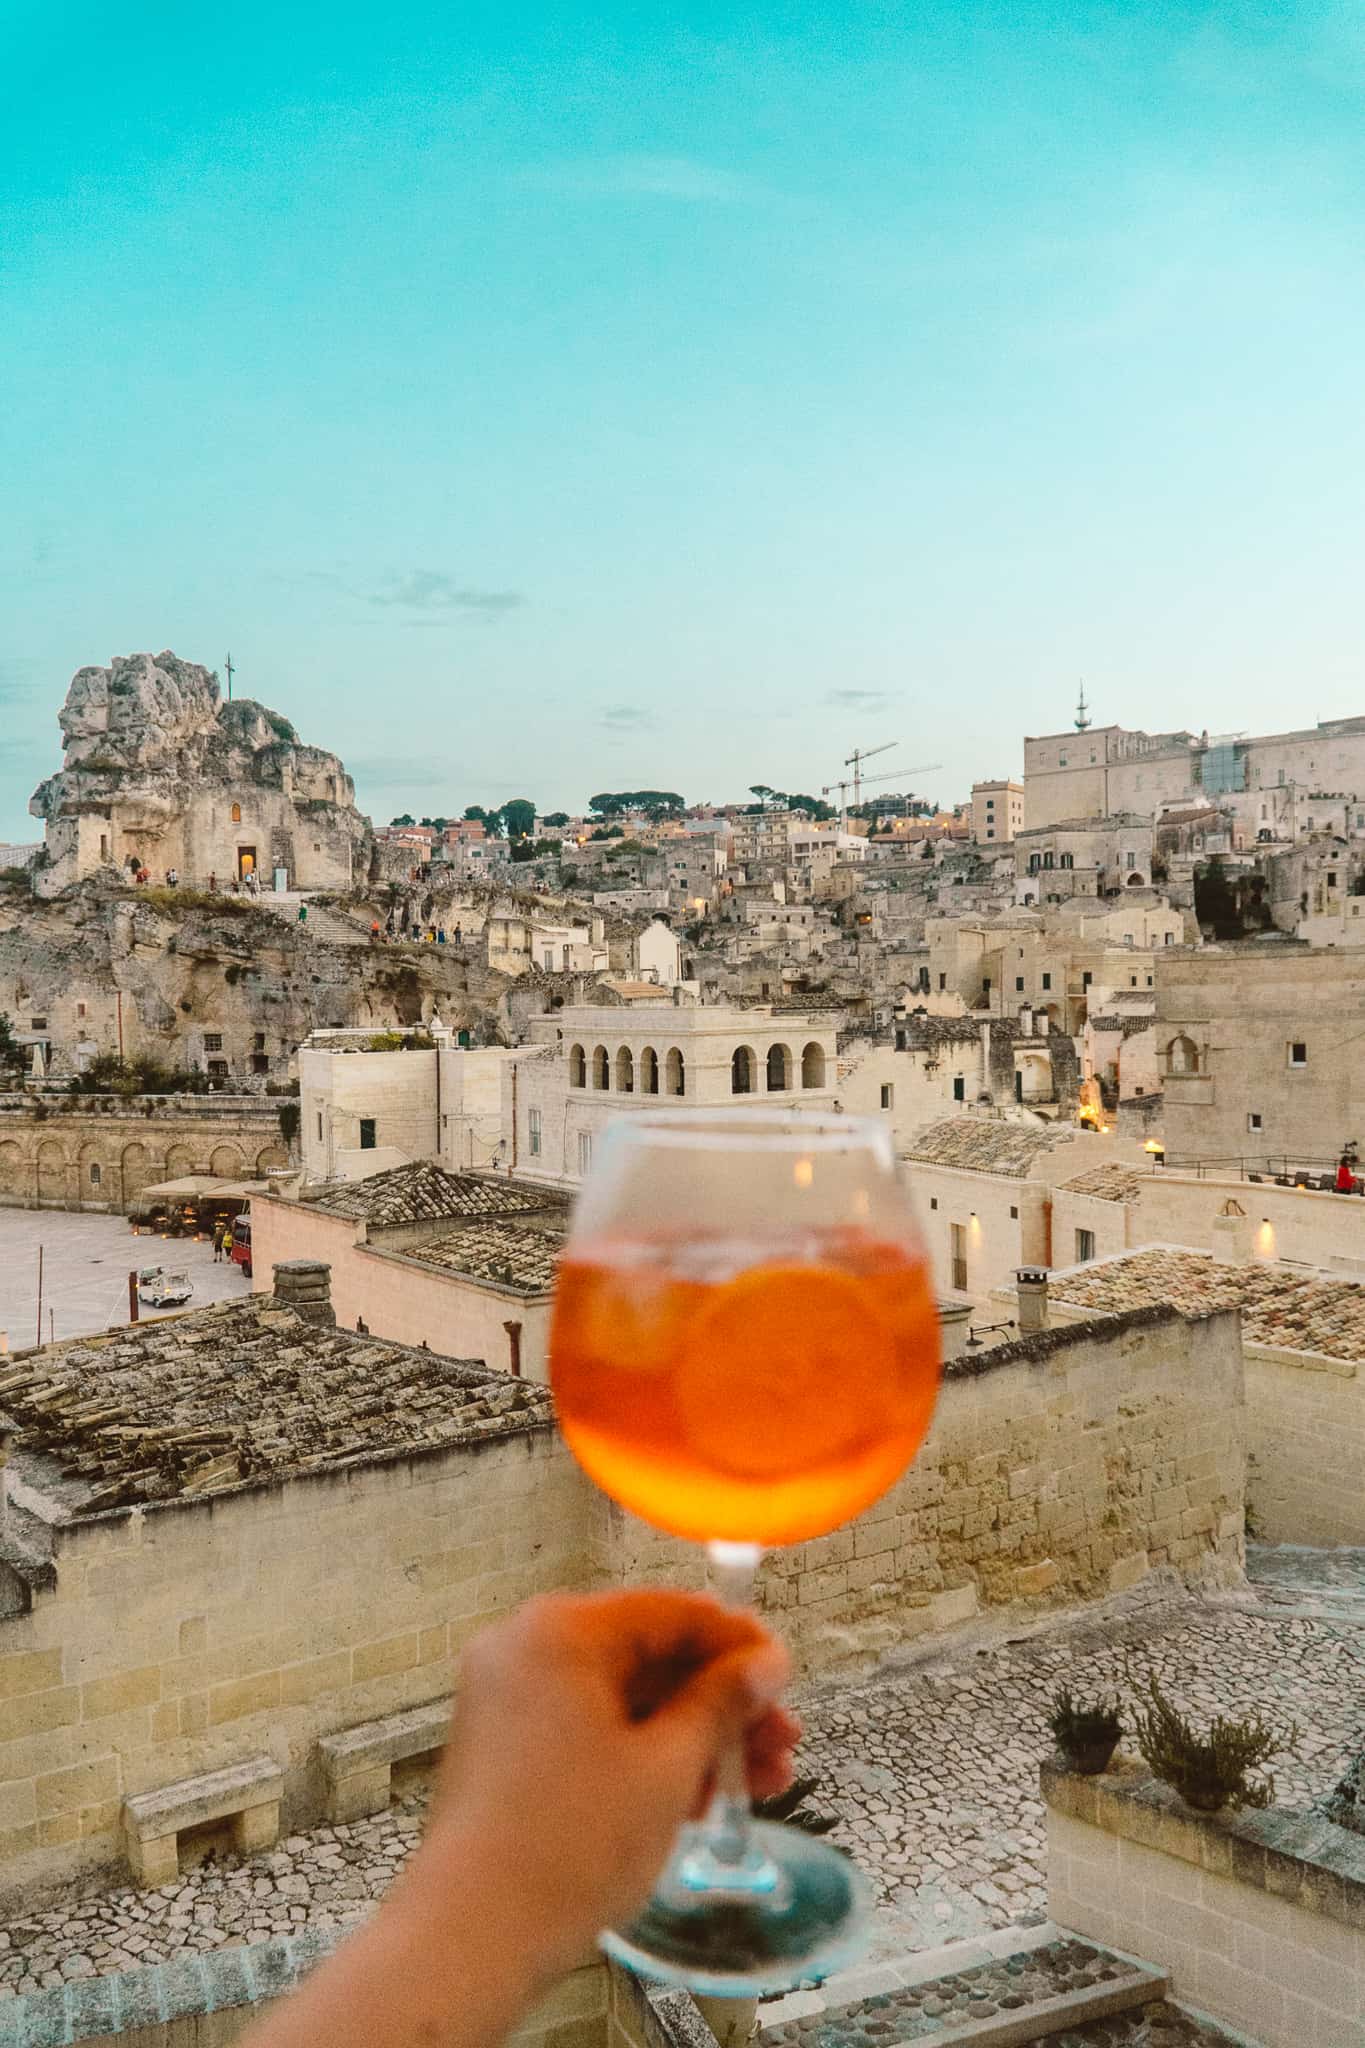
(792, 1911)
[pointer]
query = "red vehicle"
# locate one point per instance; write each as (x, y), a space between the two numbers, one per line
(240, 1254)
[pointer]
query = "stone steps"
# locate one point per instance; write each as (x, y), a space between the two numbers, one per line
(1003, 1991)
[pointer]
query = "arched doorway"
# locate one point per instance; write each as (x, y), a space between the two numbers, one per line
(625, 1071)
(675, 1073)
(51, 1173)
(136, 1171)
(779, 1068)
(742, 1065)
(601, 1067)
(227, 1162)
(578, 1067)
(649, 1071)
(813, 1066)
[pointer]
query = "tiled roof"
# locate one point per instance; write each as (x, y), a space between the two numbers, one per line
(986, 1144)
(1278, 1306)
(420, 1192)
(513, 1254)
(1110, 1183)
(242, 1393)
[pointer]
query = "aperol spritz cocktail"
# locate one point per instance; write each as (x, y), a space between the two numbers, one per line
(760, 1391)
(745, 1351)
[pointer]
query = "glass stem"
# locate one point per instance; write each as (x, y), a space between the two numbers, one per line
(725, 1828)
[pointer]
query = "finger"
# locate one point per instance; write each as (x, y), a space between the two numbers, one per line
(768, 1749)
(714, 1711)
(644, 1646)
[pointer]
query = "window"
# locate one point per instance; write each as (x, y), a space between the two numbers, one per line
(990, 831)
(1086, 977)
(985, 984)
(40, 1024)
(260, 1063)
(1253, 1119)
(1130, 859)
(584, 1151)
(1132, 981)
(933, 1201)
(601, 1067)
(1014, 1213)
(548, 960)
(1298, 1053)
(213, 1041)
(943, 981)
(80, 1009)
(94, 1173)
(1061, 760)
(1169, 939)
(1331, 881)
(957, 1235)
(533, 1132)
(675, 1073)
(1047, 981)
(1128, 938)
(367, 1131)
(959, 1088)
(888, 1094)
(236, 814)
(218, 1069)
(625, 1071)
(319, 1127)
(990, 803)
(1085, 1247)
(813, 1066)
(1019, 984)
(741, 1071)
(1067, 860)
(578, 1067)
(649, 1071)
(779, 1068)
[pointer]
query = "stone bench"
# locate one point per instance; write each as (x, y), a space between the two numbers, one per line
(358, 1763)
(247, 1794)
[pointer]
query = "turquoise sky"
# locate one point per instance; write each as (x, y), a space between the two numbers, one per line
(541, 399)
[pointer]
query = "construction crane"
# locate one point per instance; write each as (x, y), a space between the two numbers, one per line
(855, 762)
(892, 775)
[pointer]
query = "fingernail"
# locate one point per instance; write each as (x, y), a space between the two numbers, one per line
(766, 1673)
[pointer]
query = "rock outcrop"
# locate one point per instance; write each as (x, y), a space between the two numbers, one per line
(161, 771)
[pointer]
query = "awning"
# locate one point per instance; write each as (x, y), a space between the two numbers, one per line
(198, 1187)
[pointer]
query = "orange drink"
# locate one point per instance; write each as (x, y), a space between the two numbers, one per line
(742, 1388)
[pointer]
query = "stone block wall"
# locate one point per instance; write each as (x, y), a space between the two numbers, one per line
(1258, 1917)
(189, 1637)
(1306, 1444)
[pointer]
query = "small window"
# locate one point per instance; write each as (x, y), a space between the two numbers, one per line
(957, 1234)
(260, 1063)
(1331, 881)
(1169, 939)
(933, 1201)
(260, 1041)
(943, 981)
(367, 1133)
(1086, 977)
(533, 1132)
(236, 814)
(959, 1088)
(37, 1023)
(985, 984)
(1019, 984)
(1298, 1053)
(1085, 1247)
(80, 1009)
(990, 803)
(213, 1041)
(1014, 1213)
(95, 1175)
(1047, 981)
(584, 1151)
(888, 1094)
(319, 1127)
(218, 1069)
(1253, 1119)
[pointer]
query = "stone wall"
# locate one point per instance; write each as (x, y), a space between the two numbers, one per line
(1306, 1447)
(98, 1152)
(1258, 1917)
(183, 1638)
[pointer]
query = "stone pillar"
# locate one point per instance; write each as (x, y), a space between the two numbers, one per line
(305, 1285)
(1031, 1282)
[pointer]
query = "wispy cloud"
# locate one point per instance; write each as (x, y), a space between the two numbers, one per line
(858, 700)
(430, 591)
(624, 718)
(648, 177)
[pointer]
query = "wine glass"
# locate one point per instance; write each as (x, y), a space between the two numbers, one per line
(745, 1352)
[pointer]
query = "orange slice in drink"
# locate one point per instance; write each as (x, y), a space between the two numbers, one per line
(785, 1368)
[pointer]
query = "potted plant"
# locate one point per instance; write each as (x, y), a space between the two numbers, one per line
(1086, 1734)
(1209, 1770)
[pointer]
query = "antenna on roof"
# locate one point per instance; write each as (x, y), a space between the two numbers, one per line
(1082, 712)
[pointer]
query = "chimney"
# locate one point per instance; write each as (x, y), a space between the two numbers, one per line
(1031, 1282)
(305, 1285)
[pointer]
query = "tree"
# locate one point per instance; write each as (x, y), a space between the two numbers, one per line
(813, 806)
(518, 816)
(406, 819)
(473, 812)
(557, 818)
(11, 1052)
(655, 803)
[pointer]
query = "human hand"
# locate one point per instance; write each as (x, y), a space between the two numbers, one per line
(587, 1729)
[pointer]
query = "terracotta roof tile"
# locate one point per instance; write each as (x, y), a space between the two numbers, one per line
(420, 1192)
(1297, 1312)
(986, 1144)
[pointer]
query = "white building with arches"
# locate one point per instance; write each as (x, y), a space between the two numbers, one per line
(585, 1065)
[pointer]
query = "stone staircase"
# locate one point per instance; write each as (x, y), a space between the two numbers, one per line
(1002, 1990)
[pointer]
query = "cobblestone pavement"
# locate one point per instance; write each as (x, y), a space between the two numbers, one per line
(932, 1769)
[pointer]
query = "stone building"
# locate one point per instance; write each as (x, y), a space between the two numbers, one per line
(244, 1549)
(997, 812)
(585, 1065)
(1261, 1054)
(1103, 770)
(161, 772)
(362, 1109)
(453, 1260)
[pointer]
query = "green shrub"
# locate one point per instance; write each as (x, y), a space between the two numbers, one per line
(1209, 1770)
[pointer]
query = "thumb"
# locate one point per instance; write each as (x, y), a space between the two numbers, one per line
(714, 1709)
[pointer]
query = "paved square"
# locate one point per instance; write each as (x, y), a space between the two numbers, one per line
(86, 1262)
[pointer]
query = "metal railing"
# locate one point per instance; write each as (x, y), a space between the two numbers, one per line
(1282, 1169)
